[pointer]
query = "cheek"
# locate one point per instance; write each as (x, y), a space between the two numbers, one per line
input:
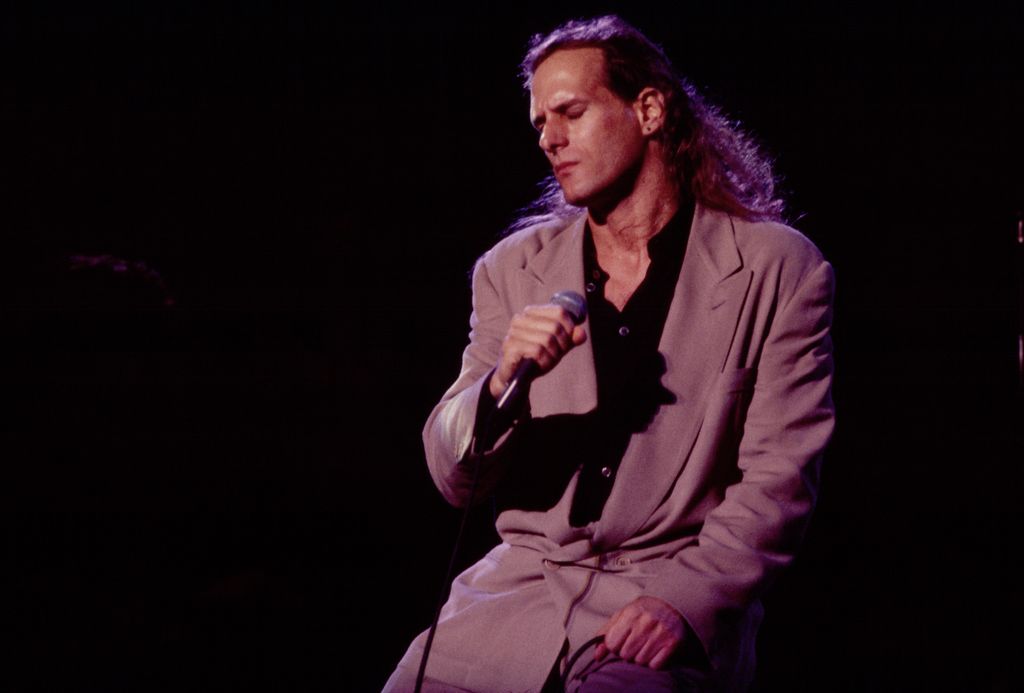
(622, 142)
(621, 156)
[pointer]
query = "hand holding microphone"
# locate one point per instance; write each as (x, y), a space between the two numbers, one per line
(537, 339)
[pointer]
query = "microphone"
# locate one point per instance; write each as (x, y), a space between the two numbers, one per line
(573, 304)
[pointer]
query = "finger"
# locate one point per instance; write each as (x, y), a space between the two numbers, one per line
(556, 338)
(558, 321)
(552, 314)
(619, 639)
(542, 347)
(646, 632)
(523, 344)
(633, 643)
(616, 635)
(661, 657)
(566, 320)
(550, 333)
(555, 312)
(613, 640)
(651, 647)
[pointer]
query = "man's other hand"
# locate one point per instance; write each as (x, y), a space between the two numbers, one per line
(646, 631)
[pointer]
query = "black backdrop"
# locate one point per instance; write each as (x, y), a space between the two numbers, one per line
(229, 491)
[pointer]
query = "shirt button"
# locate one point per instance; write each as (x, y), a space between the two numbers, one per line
(606, 472)
(623, 331)
(591, 287)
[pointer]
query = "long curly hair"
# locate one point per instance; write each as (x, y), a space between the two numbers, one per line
(721, 166)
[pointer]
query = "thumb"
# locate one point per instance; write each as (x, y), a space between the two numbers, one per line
(579, 335)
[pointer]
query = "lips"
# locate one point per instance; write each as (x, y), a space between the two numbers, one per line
(564, 166)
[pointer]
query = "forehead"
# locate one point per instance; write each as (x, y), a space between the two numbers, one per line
(568, 73)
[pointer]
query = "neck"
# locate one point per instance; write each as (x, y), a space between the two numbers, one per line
(639, 216)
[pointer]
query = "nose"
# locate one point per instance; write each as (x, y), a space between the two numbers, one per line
(552, 136)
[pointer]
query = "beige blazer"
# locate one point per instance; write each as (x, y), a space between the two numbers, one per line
(711, 500)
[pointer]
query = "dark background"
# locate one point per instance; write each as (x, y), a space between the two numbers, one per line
(229, 493)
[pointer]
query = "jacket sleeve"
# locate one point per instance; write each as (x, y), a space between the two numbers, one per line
(450, 428)
(756, 529)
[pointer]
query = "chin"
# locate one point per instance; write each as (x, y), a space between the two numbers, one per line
(593, 200)
(576, 197)
(574, 200)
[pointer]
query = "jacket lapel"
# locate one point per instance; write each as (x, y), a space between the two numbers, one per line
(571, 387)
(698, 334)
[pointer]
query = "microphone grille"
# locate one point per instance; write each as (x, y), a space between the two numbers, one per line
(573, 304)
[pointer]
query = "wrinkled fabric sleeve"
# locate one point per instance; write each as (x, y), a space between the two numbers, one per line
(451, 426)
(756, 529)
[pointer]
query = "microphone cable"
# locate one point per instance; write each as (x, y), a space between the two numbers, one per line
(476, 457)
(596, 640)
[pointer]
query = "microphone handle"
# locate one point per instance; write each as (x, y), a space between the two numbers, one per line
(524, 373)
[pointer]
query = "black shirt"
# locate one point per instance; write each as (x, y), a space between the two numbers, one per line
(626, 359)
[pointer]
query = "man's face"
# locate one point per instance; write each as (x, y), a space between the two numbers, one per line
(591, 137)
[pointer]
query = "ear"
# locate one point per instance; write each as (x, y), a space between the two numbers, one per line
(649, 107)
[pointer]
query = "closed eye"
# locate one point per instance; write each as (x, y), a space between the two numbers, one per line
(572, 109)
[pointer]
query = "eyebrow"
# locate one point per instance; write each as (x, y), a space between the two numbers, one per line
(561, 107)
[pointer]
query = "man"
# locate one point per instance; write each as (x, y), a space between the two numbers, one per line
(666, 462)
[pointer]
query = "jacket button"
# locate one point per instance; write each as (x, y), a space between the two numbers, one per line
(606, 472)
